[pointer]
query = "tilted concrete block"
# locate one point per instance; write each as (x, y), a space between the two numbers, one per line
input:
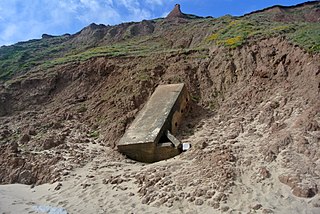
(148, 137)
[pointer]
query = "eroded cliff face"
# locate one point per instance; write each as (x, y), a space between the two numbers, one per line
(256, 109)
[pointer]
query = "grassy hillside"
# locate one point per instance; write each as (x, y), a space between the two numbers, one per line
(122, 40)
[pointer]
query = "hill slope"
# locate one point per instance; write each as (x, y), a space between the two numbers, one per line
(254, 124)
(299, 24)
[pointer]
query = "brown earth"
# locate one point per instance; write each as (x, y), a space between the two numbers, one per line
(176, 13)
(254, 124)
(257, 106)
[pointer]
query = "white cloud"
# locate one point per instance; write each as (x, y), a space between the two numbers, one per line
(68, 5)
(109, 2)
(135, 11)
(9, 32)
(155, 2)
(93, 5)
(22, 20)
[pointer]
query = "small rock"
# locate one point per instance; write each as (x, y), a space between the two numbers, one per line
(4, 133)
(264, 173)
(65, 173)
(214, 204)
(209, 194)
(145, 200)
(257, 206)
(116, 181)
(267, 211)
(105, 181)
(26, 177)
(48, 143)
(198, 202)
(290, 180)
(304, 191)
(192, 199)
(252, 130)
(131, 194)
(25, 138)
(247, 162)
(58, 186)
(157, 204)
(225, 208)
(57, 125)
(122, 188)
(163, 194)
(70, 167)
(32, 131)
(182, 194)
(85, 185)
(312, 126)
(233, 135)
(163, 200)
(169, 204)
(13, 147)
(220, 196)
(202, 145)
(68, 116)
(199, 192)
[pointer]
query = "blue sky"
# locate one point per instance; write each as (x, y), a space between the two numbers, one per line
(21, 20)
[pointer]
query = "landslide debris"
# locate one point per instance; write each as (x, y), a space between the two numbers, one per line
(254, 122)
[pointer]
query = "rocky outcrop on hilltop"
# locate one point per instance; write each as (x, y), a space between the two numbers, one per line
(176, 13)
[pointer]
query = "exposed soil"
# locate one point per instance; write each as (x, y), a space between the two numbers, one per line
(254, 123)
(176, 13)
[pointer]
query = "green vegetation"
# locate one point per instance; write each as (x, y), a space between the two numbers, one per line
(143, 76)
(307, 36)
(239, 31)
(195, 97)
(170, 38)
(142, 47)
(234, 34)
(24, 56)
(82, 109)
(94, 134)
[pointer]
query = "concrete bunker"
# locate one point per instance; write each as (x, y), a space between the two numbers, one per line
(150, 137)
